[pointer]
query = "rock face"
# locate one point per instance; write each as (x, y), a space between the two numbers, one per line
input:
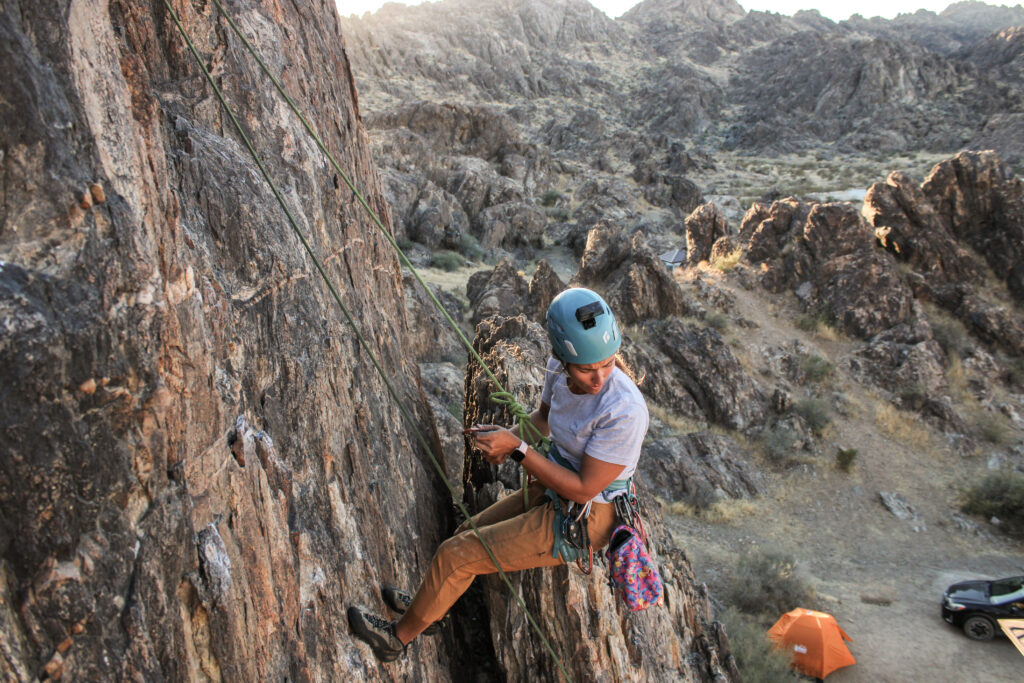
(700, 468)
(674, 642)
(967, 214)
(636, 283)
(827, 254)
(200, 466)
(668, 71)
(202, 505)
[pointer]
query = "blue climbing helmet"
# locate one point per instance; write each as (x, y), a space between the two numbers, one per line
(582, 327)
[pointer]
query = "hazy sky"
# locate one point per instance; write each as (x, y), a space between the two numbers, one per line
(833, 9)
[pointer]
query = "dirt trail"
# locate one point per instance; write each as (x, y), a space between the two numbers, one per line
(849, 546)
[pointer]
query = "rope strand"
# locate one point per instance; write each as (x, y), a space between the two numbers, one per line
(514, 407)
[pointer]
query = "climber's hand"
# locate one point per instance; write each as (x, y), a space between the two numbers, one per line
(495, 443)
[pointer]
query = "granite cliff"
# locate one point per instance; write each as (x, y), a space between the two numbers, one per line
(200, 466)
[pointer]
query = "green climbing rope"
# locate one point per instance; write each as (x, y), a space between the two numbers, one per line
(538, 443)
(502, 397)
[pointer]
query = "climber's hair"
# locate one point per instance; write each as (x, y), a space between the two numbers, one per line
(620, 363)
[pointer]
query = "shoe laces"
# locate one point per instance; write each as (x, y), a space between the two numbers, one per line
(379, 623)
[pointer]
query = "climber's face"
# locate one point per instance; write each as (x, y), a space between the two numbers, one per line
(589, 379)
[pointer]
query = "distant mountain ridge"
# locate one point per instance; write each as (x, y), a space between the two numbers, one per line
(706, 72)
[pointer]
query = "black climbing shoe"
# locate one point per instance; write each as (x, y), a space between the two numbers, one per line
(378, 633)
(399, 601)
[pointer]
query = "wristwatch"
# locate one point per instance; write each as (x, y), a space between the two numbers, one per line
(520, 452)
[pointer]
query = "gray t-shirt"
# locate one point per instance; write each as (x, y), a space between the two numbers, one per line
(609, 426)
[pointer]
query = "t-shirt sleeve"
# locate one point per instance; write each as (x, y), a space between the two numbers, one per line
(553, 373)
(618, 436)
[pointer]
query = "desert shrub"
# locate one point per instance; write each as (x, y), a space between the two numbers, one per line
(815, 412)
(447, 260)
(999, 494)
(551, 197)
(757, 658)
(405, 244)
(469, 246)
(913, 395)
(845, 458)
(950, 334)
(729, 261)
(717, 320)
(991, 427)
(815, 368)
(1015, 372)
(767, 583)
(778, 444)
(558, 213)
(815, 319)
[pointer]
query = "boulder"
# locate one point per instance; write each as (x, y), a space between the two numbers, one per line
(705, 225)
(501, 291)
(430, 335)
(692, 371)
(699, 469)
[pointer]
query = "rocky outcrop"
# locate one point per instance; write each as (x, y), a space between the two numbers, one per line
(700, 469)
(634, 281)
(196, 453)
(703, 227)
(968, 213)
(828, 253)
(673, 642)
(692, 372)
(981, 201)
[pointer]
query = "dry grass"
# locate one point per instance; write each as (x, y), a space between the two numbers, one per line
(452, 281)
(727, 262)
(956, 378)
(722, 512)
(903, 427)
(678, 423)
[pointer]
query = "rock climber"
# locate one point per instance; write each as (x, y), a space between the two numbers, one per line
(596, 419)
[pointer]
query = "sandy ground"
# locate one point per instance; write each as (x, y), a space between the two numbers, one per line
(850, 547)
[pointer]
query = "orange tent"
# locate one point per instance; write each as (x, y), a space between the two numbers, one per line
(814, 640)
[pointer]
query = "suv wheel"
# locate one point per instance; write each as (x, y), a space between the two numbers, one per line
(979, 628)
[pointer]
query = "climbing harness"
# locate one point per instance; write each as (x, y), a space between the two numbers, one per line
(572, 541)
(526, 426)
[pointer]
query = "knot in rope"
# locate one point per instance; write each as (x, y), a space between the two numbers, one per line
(527, 431)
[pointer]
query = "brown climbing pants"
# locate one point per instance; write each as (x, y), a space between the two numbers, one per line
(519, 540)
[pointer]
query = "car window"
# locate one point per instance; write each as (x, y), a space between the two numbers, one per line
(1003, 587)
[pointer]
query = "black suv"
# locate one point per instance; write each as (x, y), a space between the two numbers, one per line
(975, 606)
